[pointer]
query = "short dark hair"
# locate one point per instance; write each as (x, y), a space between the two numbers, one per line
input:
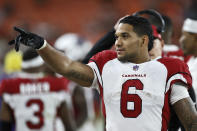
(141, 26)
(29, 54)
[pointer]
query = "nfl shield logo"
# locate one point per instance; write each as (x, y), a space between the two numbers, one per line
(135, 68)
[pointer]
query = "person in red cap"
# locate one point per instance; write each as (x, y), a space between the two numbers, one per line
(158, 43)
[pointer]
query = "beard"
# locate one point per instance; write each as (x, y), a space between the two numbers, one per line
(123, 59)
(127, 58)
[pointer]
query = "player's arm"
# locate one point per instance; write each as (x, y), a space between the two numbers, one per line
(5, 117)
(186, 112)
(80, 104)
(174, 123)
(75, 71)
(67, 117)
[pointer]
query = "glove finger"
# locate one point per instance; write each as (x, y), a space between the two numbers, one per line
(11, 42)
(17, 43)
(20, 30)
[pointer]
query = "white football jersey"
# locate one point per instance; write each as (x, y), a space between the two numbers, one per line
(136, 96)
(35, 102)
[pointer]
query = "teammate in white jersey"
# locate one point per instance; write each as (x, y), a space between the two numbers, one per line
(33, 100)
(136, 92)
(188, 42)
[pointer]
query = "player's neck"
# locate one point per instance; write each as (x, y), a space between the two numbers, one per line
(140, 58)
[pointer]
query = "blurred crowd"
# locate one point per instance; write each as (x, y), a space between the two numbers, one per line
(91, 19)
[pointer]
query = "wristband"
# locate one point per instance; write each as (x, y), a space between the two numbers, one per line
(43, 46)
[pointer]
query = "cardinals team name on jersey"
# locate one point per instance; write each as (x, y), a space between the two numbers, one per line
(133, 75)
(133, 94)
(31, 88)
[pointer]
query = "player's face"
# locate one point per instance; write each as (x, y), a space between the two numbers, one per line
(127, 43)
(188, 43)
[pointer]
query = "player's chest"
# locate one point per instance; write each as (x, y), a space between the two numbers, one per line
(148, 82)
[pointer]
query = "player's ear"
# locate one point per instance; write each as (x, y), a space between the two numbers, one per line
(145, 40)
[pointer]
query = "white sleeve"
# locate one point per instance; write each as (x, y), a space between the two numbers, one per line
(178, 92)
(95, 81)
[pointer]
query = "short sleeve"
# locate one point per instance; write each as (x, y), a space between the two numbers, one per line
(177, 71)
(178, 92)
(97, 63)
(95, 81)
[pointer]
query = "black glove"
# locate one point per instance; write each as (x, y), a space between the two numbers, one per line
(28, 39)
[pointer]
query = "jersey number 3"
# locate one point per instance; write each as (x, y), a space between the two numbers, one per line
(134, 98)
(37, 114)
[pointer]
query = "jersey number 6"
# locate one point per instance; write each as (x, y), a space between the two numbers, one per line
(126, 97)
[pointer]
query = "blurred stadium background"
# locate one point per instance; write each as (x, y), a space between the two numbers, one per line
(89, 18)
